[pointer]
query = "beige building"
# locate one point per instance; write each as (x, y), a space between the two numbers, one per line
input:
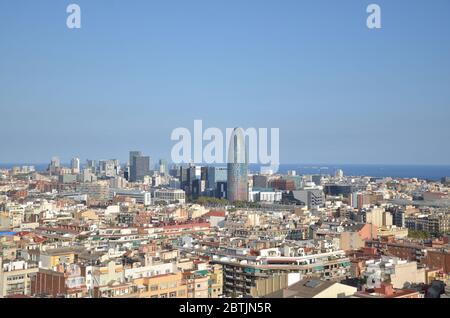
(354, 237)
(350, 241)
(5, 222)
(54, 257)
(393, 270)
(375, 216)
(110, 272)
(397, 232)
(169, 285)
(216, 278)
(87, 215)
(197, 284)
(407, 272)
(315, 288)
(15, 278)
(267, 286)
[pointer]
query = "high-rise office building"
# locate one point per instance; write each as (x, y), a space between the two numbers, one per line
(163, 167)
(109, 168)
(75, 165)
(139, 167)
(204, 174)
(198, 187)
(237, 179)
(55, 165)
(134, 154)
(184, 177)
(130, 163)
(398, 218)
(221, 190)
(91, 165)
(216, 174)
(195, 172)
(55, 162)
(174, 171)
(188, 175)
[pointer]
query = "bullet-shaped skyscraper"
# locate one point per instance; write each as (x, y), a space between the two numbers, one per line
(237, 174)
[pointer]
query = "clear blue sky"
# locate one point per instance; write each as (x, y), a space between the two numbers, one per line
(339, 92)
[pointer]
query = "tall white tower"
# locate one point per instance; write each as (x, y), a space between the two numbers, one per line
(75, 165)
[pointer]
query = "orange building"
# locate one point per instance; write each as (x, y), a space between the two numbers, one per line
(161, 286)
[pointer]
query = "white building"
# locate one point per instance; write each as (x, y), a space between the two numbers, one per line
(149, 271)
(265, 196)
(170, 195)
(142, 197)
(75, 165)
(396, 270)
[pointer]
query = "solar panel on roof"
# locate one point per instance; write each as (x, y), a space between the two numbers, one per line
(312, 283)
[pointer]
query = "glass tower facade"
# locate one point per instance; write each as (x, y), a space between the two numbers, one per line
(237, 174)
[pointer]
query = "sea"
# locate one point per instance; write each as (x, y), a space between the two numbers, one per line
(425, 172)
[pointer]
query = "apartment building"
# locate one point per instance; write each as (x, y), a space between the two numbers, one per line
(15, 277)
(64, 282)
(170, 285)
(243, 273)
(434, 224)
(392, 269)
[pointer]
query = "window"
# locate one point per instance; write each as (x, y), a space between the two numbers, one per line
(154, 287)
(173, 294)
(163, 295)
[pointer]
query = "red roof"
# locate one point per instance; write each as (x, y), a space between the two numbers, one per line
(216, 213)
(186, 225)
(23, 233)
(17, 296)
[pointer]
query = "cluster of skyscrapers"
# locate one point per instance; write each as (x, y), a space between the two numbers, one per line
(224, 182)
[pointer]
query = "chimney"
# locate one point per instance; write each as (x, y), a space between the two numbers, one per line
(385, 289)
